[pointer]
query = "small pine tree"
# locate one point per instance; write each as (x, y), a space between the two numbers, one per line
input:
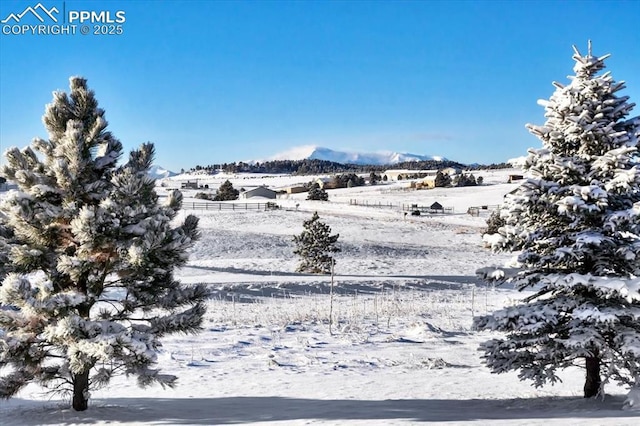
(576, 223)
(226, 192)
(494, 222)
(374, 178)
(317, 194)
(315, 245)
(89, 278)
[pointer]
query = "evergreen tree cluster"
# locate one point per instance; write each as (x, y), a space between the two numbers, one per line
(442, 180)
(87, 255)
(575, 222)
(347, 180)
(492, 166)
(465, 179)
(315, 246)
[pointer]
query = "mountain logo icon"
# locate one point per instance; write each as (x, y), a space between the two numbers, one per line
(38, 11)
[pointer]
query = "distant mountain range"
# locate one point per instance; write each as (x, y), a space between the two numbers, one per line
(313, 152)
(158, 172)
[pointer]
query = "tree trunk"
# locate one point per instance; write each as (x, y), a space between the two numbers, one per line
(593, 382)
(81, 391)
(81, 381)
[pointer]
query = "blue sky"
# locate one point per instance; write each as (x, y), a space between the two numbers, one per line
(215, 81)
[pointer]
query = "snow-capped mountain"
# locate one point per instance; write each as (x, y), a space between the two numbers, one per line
(313, 152)
(158, 172)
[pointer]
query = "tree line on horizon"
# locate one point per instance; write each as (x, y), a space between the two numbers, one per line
(314, 166)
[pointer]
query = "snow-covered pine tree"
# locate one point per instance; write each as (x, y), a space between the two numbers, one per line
(317, 194)
(315, 245)
(494, 223)
(226, 192)
(576, 222)
(91, 288)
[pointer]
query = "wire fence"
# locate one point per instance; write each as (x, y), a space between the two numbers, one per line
(379, 204)
(218, 206)
(427, 209)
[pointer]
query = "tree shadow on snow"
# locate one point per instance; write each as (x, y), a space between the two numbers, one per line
(429, 281)
(249, 292)
(233, 410)
(298, 284)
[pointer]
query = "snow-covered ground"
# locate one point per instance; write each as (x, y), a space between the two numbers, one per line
(394, 347)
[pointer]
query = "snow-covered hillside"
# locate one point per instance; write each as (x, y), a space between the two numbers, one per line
(400, 348)
(313, 152)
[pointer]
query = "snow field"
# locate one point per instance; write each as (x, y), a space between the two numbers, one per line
(400, 349)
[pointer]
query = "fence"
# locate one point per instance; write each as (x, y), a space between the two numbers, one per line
(475, 210)
(229, 206)
(427, 209)
(367, 203)
(401, 189)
